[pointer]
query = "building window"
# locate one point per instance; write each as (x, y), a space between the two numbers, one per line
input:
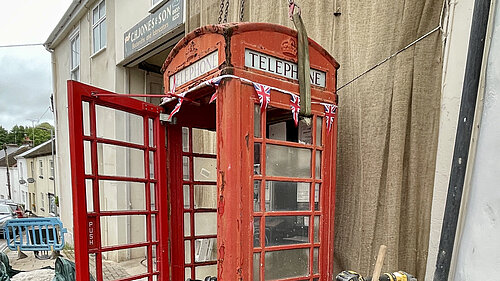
(75, 56)
(40, 168)
(99, 26)
(43, 200)
(21, 176)
(51, 168)
(32, 168)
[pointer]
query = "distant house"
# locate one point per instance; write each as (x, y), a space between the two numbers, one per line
(37, 166)
(18, 192)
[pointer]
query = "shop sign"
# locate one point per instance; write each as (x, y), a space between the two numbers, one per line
(195, 70)
(157, 24)
(284, 68)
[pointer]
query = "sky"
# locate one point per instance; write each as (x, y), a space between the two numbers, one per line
(25, 72)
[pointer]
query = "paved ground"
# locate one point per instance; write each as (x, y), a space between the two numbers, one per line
(111, 270)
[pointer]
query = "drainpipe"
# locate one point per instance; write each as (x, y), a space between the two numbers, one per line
(463, 138)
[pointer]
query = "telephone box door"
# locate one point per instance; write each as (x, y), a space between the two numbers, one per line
(118, 185)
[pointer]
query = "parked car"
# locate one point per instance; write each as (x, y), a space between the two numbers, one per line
(17, 208)
(6, 214)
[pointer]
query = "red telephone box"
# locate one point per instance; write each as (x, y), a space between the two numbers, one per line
(242, 189)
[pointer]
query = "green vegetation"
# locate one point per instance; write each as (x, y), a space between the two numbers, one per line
(20, 134)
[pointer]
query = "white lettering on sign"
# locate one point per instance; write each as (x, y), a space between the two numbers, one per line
(195, 70)
(91, 233)
(270, 64)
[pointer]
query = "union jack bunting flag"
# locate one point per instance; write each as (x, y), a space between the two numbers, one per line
(330, 111)
(176, 108)
(295, 106)
(214, 82)
(264, 93)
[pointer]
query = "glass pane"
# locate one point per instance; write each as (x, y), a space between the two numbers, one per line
(317, 171)
(187, 273)
(185, 168)
(317, 191)
(121, 230)
(128, 262)
(281, 126)
(186, 196)
(119, 125)
(288, 161)
(187, 224)
(153, 228)
(315, 260)
(187, 252)
(287, 196)
(305, 131)
(205, 223)
(155, 259)
(319, 127)
(286, 264)
(205, 250)
(122, 195)
(256, 232)
(203, 271)
(256, 158)
(96, 37)
(152, 165)
(90, 195)
(205, 169)
(204, 141)
(152, 194)
(256, 266)
(256, 121)
(92, 266)
(151, 130)
(102, 9)
(256, 195)
(316, 229)
(114, 160)
(285, 230)
(87, 158)
(205, 196)
(86, 118)
(103, 34)
(185, 139)
(95, 15)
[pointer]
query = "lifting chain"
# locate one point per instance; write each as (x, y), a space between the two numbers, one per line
(242, 9)
(223, 11)
(226, 12)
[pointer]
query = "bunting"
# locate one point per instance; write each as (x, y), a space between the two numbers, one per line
(215, 83)
(295, 106)
(264, 93)
(330, 111)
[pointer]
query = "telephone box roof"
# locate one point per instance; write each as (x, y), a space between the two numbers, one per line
(229, 29)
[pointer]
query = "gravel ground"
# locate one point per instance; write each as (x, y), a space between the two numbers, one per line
(38, 275)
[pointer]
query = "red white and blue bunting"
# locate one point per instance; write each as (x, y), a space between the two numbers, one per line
(264, 94)
(330, 111)
(295, 107)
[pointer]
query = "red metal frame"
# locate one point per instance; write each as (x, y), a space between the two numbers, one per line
(234, 128)
(87, 224)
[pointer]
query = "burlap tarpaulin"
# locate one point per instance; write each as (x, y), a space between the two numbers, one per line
(388, 119)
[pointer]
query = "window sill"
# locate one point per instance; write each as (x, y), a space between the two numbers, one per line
(98, 52)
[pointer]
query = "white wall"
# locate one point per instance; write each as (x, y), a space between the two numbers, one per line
(99, 70)
(478, 250)
(14, 183)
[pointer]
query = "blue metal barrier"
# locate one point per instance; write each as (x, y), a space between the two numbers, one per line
(35, 234)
